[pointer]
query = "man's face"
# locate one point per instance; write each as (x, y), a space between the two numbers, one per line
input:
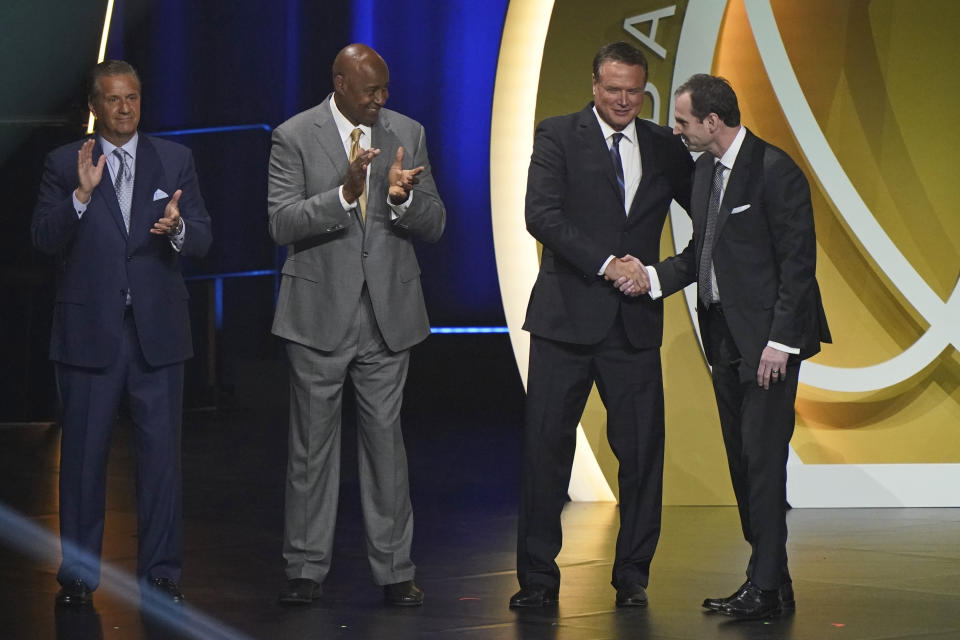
(618, 92)
(116, 106)
(694, 132)
(361, 91)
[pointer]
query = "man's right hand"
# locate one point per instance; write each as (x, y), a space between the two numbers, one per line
(629, 275)
(357, 174)
(88, 173)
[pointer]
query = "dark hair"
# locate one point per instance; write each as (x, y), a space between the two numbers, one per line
(108, 68)
(711, 94)
(619, 52)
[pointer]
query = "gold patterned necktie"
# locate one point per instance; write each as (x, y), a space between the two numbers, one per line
(354, 152)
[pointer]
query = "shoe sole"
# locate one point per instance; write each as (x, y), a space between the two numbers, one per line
(546, 602)
(765, 616)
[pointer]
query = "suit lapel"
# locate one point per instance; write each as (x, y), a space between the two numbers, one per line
(595, 148)
(381, 137)
(328, 136)
(147, 177)
(107, 191)
(740, 178)
(648, 166)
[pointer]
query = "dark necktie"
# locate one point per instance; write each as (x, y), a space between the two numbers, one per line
(704, 281)
(618, 163)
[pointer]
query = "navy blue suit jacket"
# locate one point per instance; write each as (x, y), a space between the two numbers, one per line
(574, 208)
(97, 260)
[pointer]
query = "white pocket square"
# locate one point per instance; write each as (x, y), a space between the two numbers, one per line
(742, 207)
(159, 194)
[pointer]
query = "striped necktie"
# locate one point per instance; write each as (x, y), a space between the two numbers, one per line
(123, 185)
(704, 273)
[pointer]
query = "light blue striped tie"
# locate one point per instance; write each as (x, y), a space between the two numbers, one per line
(123, 186)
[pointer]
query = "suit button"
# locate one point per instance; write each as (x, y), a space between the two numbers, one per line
(129, 258)
(365, 254)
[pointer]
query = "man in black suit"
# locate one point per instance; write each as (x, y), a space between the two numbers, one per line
(753, 255)
(598, 191)
(118, 210)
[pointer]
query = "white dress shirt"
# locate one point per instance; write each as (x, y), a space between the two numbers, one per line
(630, 159)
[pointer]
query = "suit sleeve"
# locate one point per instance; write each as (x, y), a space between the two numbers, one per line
(54, 219)
(545, 217)
(197, 235)
(678, 271)
(426, 217)
(787, 200)
(293, 215)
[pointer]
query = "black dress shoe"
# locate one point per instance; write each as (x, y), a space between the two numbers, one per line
(752, 603)
(534, 596)
(787, 602)
(75, 593)
(403, 594)
(785, 593)
(166, 589)
(300, 591)
(632, 595)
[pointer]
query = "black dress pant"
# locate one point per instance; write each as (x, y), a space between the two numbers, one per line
(631, 386)
(757, 425)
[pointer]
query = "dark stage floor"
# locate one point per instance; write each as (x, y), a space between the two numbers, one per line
(859, 574)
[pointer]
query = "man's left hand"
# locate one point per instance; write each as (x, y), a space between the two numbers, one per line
(170, 224)
(773, 366)
(401, 180)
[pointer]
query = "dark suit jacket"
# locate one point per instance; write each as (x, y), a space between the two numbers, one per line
(97, 260)
(764, 255)
(574, 208)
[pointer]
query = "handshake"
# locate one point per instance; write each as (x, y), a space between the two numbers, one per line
(628, 275)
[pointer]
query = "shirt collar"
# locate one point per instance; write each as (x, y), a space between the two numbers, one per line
(629, 132)
(345, 127)
(730, 156)
(130, 146)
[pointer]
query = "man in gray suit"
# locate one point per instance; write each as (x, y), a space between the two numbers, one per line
(350, 186)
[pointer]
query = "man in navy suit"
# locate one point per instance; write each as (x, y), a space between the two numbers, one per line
(598, 190)
(117, 210)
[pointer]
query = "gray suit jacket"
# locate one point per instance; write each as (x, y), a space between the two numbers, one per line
(330, 252)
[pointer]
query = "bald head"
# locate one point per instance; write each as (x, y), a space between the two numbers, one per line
(360, 81)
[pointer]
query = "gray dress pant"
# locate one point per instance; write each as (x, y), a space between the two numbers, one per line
(313, 465)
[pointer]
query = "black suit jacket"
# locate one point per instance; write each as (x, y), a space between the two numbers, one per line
(97, 260)
(574, 208)
(764, 255)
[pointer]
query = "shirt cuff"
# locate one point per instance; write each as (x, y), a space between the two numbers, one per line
(782, 347)
(177, 241)
(603, 267)
(346, 205)
(656, 291)
(397, 210)
(78, 206)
